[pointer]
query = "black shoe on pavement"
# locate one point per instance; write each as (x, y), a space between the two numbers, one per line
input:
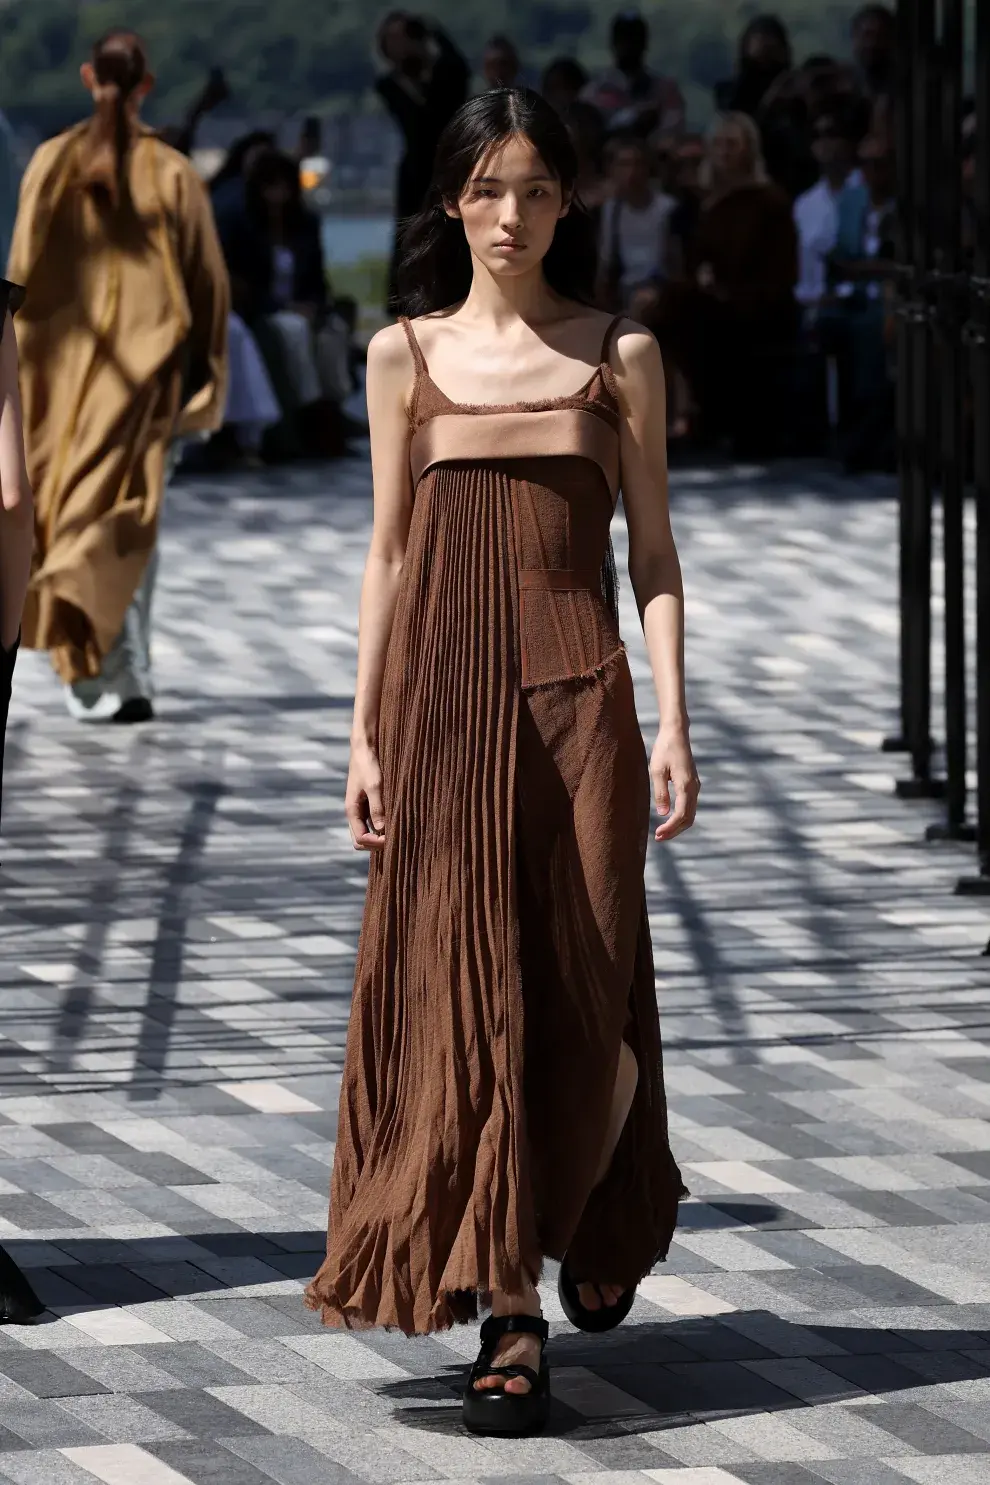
(139, 709)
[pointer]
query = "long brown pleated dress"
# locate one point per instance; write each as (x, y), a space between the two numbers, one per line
(505, 951)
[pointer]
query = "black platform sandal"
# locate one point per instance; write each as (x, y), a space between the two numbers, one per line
(19, 1304)
(495, 1411)
(606, 1317)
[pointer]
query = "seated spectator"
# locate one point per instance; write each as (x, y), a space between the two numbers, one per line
(629, 96)
(635, 233)
(562, 84)
(227, 187)
(836, 135)
(852, 321)
(252, 407)
(279, 285)
(764, 55)
(738, 300)
(500, 64)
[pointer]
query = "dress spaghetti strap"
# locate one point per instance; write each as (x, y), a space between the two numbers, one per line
(610, 330)
(417, 351)
(419, 362)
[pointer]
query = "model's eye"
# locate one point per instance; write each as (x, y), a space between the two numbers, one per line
(537, 191)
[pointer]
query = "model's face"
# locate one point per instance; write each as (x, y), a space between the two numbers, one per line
(510, 209)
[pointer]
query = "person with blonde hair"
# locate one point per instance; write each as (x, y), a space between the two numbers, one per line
(738, 298)
(123, 345)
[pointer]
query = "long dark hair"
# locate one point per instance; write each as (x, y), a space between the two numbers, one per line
(120, 64)
(434, 268)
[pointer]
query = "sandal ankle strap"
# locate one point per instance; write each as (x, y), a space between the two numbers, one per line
(496, 1326)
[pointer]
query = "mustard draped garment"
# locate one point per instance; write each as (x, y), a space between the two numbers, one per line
(123, 346)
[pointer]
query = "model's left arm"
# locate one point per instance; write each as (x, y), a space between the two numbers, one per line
(654, 568)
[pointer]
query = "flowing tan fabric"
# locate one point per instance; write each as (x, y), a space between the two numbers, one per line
(122, 343)
(505, 951)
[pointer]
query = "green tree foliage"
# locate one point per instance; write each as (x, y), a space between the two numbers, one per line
(318, 54)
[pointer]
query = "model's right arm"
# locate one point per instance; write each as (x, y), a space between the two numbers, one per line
(390, 381)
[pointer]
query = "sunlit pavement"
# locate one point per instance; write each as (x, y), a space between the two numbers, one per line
(180, 913)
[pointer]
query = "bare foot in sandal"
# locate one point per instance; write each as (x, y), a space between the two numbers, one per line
(514, 1349)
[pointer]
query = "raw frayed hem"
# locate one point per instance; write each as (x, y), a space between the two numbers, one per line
(594, 673)
(451, 1306)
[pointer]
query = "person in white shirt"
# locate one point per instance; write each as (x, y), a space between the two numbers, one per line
(837, 133)
(635, 243)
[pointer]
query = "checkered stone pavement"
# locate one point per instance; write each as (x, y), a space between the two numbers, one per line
(180, 913)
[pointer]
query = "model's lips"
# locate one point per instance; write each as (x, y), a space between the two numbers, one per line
(509, 246)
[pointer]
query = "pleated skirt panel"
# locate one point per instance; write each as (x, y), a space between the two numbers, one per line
(430, 1189)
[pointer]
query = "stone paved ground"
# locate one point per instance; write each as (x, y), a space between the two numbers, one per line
(180, 916)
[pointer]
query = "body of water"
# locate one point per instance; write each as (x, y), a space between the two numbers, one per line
(349, 239)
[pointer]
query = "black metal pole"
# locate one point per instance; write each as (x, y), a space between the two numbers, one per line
(918, 516)
(951, 390)
(980, 340)
(904, 148)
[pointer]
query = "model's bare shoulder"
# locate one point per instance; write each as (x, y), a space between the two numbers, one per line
(389, 352)
(635, 355)
(391, 368)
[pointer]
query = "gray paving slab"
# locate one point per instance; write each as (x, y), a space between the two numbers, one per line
(181, 908)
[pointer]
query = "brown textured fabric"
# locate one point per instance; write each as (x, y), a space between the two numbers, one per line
(123, 345)
(505, 950)
(495, 437)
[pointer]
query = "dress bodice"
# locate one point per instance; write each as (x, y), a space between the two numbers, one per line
(546, 474)
(584, 424)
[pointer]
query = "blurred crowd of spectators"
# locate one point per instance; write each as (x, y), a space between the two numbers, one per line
(759, 253)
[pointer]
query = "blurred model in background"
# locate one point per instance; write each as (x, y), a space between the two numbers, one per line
(123, 344)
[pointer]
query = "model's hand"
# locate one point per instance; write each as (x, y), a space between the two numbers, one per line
(363, 799)
(673, 764)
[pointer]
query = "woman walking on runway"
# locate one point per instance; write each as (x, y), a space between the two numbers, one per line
(503, 1095)
(123, 344)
